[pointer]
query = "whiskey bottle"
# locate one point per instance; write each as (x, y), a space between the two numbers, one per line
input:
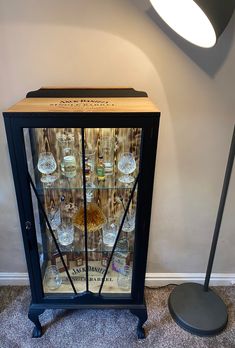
(100, 169)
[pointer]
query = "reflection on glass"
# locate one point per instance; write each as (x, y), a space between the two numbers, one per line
(126, 165)
(124, 278)
(122, 247)
(52, 278)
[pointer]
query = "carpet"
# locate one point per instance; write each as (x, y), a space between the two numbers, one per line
(105, 328)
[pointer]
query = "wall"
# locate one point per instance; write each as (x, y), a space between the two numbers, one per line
(123, 43)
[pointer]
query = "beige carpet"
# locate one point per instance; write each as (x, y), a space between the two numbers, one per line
(104, 328)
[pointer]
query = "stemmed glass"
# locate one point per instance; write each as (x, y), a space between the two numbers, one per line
(126, 165)
(47, 165)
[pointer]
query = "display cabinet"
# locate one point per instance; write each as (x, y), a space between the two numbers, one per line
(83, 165)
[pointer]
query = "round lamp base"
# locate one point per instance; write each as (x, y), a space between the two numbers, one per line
(200, 312)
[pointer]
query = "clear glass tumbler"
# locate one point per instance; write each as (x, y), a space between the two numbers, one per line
(129, 222)
(54, 216)
(65, 233)
(52, 278)
(110, 231)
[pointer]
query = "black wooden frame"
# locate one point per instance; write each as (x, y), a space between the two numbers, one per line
(149, 122)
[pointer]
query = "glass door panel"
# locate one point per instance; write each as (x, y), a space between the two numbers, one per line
(83, 230)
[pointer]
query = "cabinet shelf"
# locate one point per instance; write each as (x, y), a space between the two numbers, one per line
(75, 184)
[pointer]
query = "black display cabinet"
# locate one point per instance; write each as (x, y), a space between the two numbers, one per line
(83, 165)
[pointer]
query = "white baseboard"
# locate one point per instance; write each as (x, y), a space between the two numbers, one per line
(151, 279)
(160, 279)
(14, 278)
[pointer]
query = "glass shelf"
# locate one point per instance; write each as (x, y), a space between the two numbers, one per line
(63, 183)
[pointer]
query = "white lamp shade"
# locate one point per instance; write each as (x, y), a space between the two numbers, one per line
(200, 22)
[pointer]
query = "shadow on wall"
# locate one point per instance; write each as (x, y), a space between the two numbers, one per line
(211, 59)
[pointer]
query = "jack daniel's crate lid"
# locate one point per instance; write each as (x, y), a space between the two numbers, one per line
(86, 99)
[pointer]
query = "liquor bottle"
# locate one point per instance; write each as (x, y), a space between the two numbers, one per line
(100, 169)
(87, 168)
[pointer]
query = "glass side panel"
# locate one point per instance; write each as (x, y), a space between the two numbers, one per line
(109, 167)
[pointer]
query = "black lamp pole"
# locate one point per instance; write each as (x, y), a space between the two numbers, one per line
(220, 211)
(194, 307)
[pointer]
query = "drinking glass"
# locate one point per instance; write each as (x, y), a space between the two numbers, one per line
(110, 231)
(68, 164)
(54, 217)
(124, 278)
(52, 278)
(47, 165)
(107, 151)
(126, 165)
(65, 138)
(129, 222)
(65, 233)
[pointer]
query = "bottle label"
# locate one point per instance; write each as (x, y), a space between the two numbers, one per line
(100, 172)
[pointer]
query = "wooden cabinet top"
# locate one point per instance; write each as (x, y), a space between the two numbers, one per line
(91, 104)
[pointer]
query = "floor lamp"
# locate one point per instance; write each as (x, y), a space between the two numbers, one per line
(195, 307)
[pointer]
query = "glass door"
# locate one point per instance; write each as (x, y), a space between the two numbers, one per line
(84, 184)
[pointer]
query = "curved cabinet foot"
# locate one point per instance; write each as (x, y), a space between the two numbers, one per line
(142, 316)
(33, 315)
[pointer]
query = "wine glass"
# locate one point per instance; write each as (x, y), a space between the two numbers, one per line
(126, 165)
(47, 165)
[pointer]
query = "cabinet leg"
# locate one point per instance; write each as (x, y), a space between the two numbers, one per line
(142, 316)
(33, 316)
